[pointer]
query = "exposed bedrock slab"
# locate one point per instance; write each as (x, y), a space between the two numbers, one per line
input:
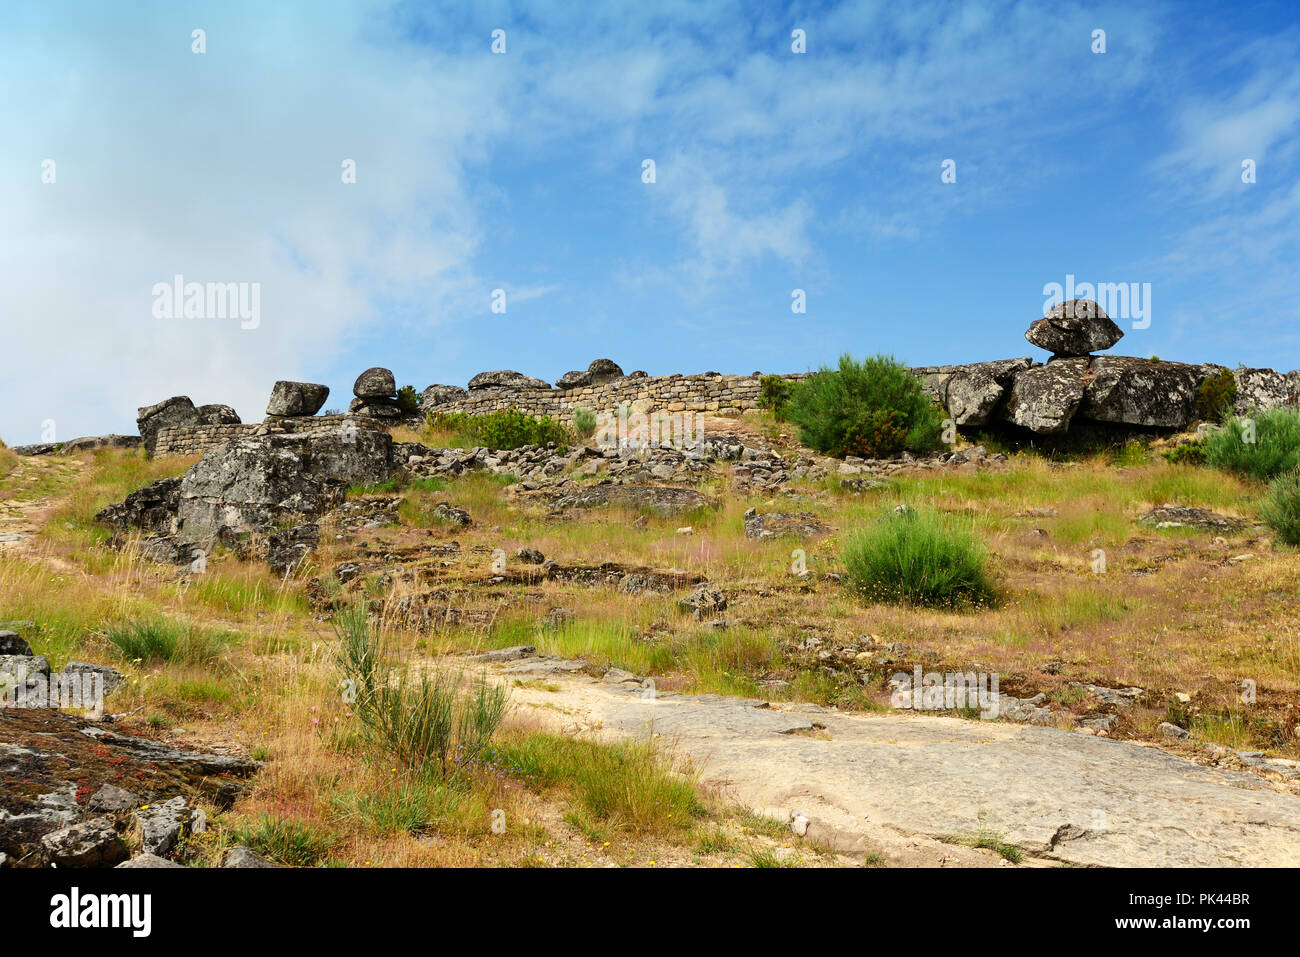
(973, 392)
(1060, 794)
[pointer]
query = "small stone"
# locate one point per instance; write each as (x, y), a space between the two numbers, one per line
(242, 857)
(92, 843)
(1173, 731)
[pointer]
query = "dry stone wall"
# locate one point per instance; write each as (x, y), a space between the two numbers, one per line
(198, 439)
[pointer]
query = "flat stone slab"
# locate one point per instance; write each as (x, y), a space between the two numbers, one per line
(1057, 795)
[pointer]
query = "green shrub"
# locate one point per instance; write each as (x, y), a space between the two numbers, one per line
(408, 400)
(584, 423)
(1262, 446)
(921, 558)
(1281, 507)
(423, 716)
(1217, 395)
(874, 408)
(774, 394)
(505, 429)
(1188, 453)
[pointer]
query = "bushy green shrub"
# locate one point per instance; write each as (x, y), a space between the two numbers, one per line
(921, 558)
(1188, 453)
(874, 408)
(584, 423)
(1262, 446)
(425, 717)
(1281, 507)
(774, 394)
(408, 400)
(1217, 395)
(505, 429)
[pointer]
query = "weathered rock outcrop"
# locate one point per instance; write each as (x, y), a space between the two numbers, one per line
(151, 509)
(297, 398)
(375, 383)
(973, 392)
(600, 371)
(1044, 399)
(1076, 327)
(1141, 392)
(215, 414)
(256, 483)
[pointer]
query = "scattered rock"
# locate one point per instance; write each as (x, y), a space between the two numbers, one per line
(446, 512)
(112, 799)
(149, 860)
(111, 677)
(11, 644)
(781, 524)
(287, 549)
(93, 843)
(160, 826)
(1181, 516)
(1173, 731)
(242, 857)
(704, 602)
(530, 556)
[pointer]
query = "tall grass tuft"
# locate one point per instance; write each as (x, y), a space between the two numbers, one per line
(425, 718)
(153, 640)
(919, 558)
(1262, 446)
(1281, 507)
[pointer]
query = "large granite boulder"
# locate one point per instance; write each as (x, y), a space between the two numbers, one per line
(151, 509)
(1076, 327)
(972, 392)
(297, 398)
(506, 378)
(217, 415)
(573, 380)
(1044, 399)
(1142, 392)
(603, 370)
(1263, 389)
(255, 483)
(171, 413)
(377, 408)
(436, 395)
(375, 383)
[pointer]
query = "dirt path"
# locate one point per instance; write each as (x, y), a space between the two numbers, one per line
(909, 786)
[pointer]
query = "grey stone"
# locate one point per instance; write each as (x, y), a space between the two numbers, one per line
(506, 378)
(288, 548)
(436, 395)
(1262, 389)
(1173, 731)
(93, 843)
(111, 677)
(604, 370)
(151, 509)
(148, 860)
(217, 415)
(530, 556)
(1076, 327)
(1044, 399)
(297, 398)
(972, 392)
(1176, 516)
(704, 602)
(93, 443)
(24, 664)
(12, 644)
(160, 825)
(170, 413)
(573, 380)
(1141, 392)
(783, 524)
(375, 383)
(242, 857)
(112, 799)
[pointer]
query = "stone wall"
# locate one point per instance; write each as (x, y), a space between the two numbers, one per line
(709, 392)
(198, 439)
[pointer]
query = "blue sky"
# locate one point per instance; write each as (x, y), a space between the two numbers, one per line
(523, 171)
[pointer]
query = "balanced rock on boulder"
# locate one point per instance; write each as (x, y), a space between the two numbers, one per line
(376, 395)
(1075, 327)
(297, 398)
